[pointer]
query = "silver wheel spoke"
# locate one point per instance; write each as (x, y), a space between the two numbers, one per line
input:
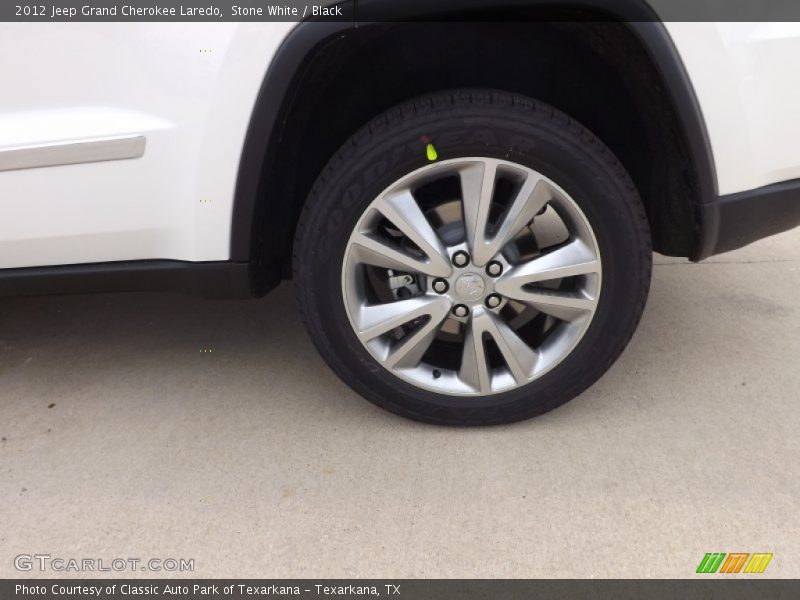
(532, 197)
(402, 210)
(477, 190)
(477, 185)
(376, 320)
(474, 362)
(372, 251)
(560, 305)
(410, 350)
(570, 260)
(518, 356)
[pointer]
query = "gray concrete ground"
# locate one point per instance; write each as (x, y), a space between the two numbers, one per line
(120, 438)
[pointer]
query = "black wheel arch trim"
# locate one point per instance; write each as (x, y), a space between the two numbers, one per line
(736, 220)
(284, 78)
(263, 132)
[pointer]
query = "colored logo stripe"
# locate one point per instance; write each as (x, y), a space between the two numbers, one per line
(734, 563)
(758, 562)
(711, 562)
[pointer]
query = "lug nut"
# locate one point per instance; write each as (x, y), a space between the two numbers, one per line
(461, 259)
(493, 300)
(460, 310)
(440, 286)
(494, 269)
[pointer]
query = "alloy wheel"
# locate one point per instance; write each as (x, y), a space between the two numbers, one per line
(471, 276)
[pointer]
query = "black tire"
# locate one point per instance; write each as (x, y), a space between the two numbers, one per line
(473, 123)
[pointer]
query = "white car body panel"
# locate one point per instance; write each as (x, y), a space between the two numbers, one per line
(190, 88)
(747, 80)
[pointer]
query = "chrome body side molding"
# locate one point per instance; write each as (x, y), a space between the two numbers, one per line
(70, 152)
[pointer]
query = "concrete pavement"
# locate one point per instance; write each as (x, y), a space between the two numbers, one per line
(122, 438)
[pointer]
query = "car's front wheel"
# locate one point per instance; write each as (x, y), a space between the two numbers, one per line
(472, 257)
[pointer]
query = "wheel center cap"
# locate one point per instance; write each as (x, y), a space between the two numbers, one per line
(470, 286)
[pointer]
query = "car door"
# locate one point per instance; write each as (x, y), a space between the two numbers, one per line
(121, 141)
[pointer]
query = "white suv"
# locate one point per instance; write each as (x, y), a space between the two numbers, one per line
(468, 207)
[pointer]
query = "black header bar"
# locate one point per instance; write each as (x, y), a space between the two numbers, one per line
(370, 11)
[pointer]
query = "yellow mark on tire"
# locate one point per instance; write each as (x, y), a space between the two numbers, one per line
(431, 152)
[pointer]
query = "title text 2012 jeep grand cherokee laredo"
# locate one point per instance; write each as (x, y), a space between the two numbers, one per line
(467, 206)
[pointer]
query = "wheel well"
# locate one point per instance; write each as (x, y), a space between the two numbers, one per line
(597, 72)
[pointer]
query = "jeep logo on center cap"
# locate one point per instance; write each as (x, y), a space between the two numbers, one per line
(470, 286)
